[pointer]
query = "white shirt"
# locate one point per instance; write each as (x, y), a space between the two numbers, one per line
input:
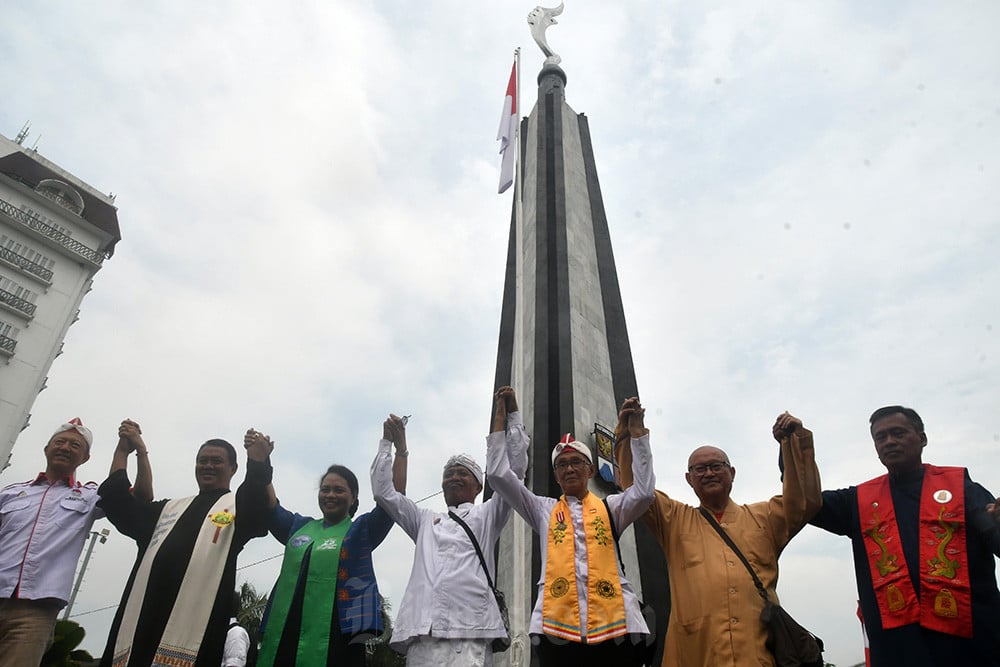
(625, 508)
(237, 645)
(447, 592)
(42, 530)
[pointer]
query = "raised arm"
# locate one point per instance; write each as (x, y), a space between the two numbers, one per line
(633, 502)
(506, 482)
(801, 490)
(252, 498)
(129, 510)
(250, 439)
(507, 420)
(394, 430)
(624, 436)
(130, 440)
(384, 479)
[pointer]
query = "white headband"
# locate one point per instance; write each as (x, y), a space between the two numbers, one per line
(75, 424)
(468, 462)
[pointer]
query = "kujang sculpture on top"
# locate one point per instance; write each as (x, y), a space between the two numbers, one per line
(539, 19)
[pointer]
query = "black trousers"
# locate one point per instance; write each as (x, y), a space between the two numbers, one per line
(624, 651)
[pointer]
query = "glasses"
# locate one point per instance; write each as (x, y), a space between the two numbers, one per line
(575, 464)
(716, 467)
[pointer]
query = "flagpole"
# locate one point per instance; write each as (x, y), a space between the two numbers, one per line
(517, 366)
(519, 200)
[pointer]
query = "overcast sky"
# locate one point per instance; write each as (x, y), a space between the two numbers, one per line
(803, 200)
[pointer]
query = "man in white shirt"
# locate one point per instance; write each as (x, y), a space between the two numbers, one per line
(448, 615)
(586, 612)
(234, 653)
(43, 526)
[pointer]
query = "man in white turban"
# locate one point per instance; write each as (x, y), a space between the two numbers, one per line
(43, 525)
(448, 615)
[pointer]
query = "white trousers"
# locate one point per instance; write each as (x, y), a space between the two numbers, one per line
(437, 652)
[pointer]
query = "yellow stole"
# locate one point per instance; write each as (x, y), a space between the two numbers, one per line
(605, 605)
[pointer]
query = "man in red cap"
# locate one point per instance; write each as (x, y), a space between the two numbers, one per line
(43, 526)
(587, 612)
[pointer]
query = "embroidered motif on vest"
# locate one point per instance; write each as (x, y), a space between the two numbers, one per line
(605, 605)
(945, 600)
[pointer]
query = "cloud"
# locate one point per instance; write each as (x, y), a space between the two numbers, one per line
(801, 201)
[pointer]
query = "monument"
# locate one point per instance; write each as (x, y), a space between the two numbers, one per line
(563, 342)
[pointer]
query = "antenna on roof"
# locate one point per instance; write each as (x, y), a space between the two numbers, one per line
(34, 146)
(23, 134)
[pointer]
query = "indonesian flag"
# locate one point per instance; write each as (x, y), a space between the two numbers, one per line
(506, 132)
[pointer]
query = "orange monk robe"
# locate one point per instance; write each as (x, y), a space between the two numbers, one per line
(715, 607)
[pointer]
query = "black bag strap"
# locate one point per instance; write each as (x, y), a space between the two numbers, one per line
(475, 543)
(614, 534)
(732, 545)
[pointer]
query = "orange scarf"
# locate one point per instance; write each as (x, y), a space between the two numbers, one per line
(605, 605)
(945, 600)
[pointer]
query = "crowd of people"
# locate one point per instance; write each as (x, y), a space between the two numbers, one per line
(924, 540)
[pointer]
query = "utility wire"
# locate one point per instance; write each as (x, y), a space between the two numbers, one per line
(243, 567)
(279, 555)
(93, 611)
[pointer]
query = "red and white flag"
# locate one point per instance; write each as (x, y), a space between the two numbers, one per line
(507, 132)
(864, 632)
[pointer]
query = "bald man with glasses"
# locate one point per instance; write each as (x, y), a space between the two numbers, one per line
(715, 607)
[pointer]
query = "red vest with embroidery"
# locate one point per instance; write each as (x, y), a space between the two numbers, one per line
(945, 600)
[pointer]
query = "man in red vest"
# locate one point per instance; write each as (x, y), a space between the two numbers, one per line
(924, 540)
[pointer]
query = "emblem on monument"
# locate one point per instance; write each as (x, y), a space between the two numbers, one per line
(540, 19)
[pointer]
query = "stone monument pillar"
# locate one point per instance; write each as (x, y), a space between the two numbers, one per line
(563, 342)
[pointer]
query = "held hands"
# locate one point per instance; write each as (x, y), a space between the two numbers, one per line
(509, 399)
(394, 430)
(785, 425)
(630, 420)
(130, 438)
(505, 403)
(258, 445)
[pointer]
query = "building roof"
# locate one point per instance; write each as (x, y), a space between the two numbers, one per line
(96, 211)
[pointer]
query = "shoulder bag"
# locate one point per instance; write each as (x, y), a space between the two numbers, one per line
(648, 650)
(790, 643)
(499, 644)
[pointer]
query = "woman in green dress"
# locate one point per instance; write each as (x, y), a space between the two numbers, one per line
(325, 605)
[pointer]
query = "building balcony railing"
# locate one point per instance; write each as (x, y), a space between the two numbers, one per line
(60, 199)
(7, 345)
(25, 264)
(39, 227)
(17, 303)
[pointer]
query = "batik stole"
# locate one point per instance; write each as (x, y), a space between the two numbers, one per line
(945, 600)
(189, 615)
(605, 605)
(323, 546)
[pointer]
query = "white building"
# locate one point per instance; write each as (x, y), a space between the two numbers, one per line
(55, 232)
